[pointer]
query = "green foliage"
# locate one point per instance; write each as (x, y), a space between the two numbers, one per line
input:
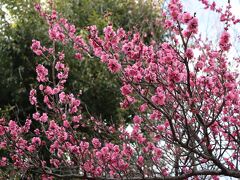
(100, 90)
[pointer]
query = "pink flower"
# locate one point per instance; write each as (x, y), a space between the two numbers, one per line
(104, 150)
(2, 130)
(224, 41)
(160, 128)
(37, 131)
(32, 97)
(62, 97)
(27, 125)
(37, 7)
(88, 166)
(36, 116)
(137, 119)
(54, 15)
(38, 52)
(36, 140)
(66, 124)
(186, 17)
(3, 162)
(114, 66)
(127, 101)
(75, 102)
(96, 143)
(42, 72)
(98, 171)
(108, 32)
(44, 117)
(214, 177)
(186, 33)
(104, 58)
(31, 148)
(193, 25)
(126, 89)
(47, 101)
(78, 56)
(189, 53)
(140, 161)
(12, 125)
(3, 145)
(76, 119)
(143, 107)
(84, 145)
(48, 90)
(158, 99)
(55, 162)
(168, 24)
(59, 66)
(36, 47)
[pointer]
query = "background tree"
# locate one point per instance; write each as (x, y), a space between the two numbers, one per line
(20, 23)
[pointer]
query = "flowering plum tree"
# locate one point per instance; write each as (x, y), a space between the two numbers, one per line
(187, 123)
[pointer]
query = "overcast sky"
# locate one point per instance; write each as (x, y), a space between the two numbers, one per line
(209, 24)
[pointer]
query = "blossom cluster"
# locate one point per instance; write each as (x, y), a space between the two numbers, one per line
(187, 119)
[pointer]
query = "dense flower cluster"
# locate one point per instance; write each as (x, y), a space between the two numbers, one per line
(188, 118)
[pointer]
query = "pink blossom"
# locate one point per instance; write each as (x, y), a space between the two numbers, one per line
(37, 131)
(59, 66)
(55, 162)
(140, 161)
(193, 25)
(173, 100)
(186, 33)
(88, 166)
(32, 97)
(189, 53)
(104, 58)
(43, 118)
(143, 107)
(224, 41)
(48, 90)
(98, 171)
(2, 130)
(108, 32)
(96, 143)
(186, 17)
(62, 97)
(42, 72)
(36, 140)
(31, 148)
(36, 47)
(54, 15)
(137, 119)
(78, 56)
(126, 89)
(66, 124)
(36, 116)
(47, 101)
(12, 125)
(76, 119)
(114, 66)
(158, 99)
(3, 145)
(3, 162)
(168, 23)
(160, 128)
(84, 145)
(27, 125)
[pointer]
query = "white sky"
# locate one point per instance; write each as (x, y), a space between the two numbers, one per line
(211, 27)
(209, 24)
